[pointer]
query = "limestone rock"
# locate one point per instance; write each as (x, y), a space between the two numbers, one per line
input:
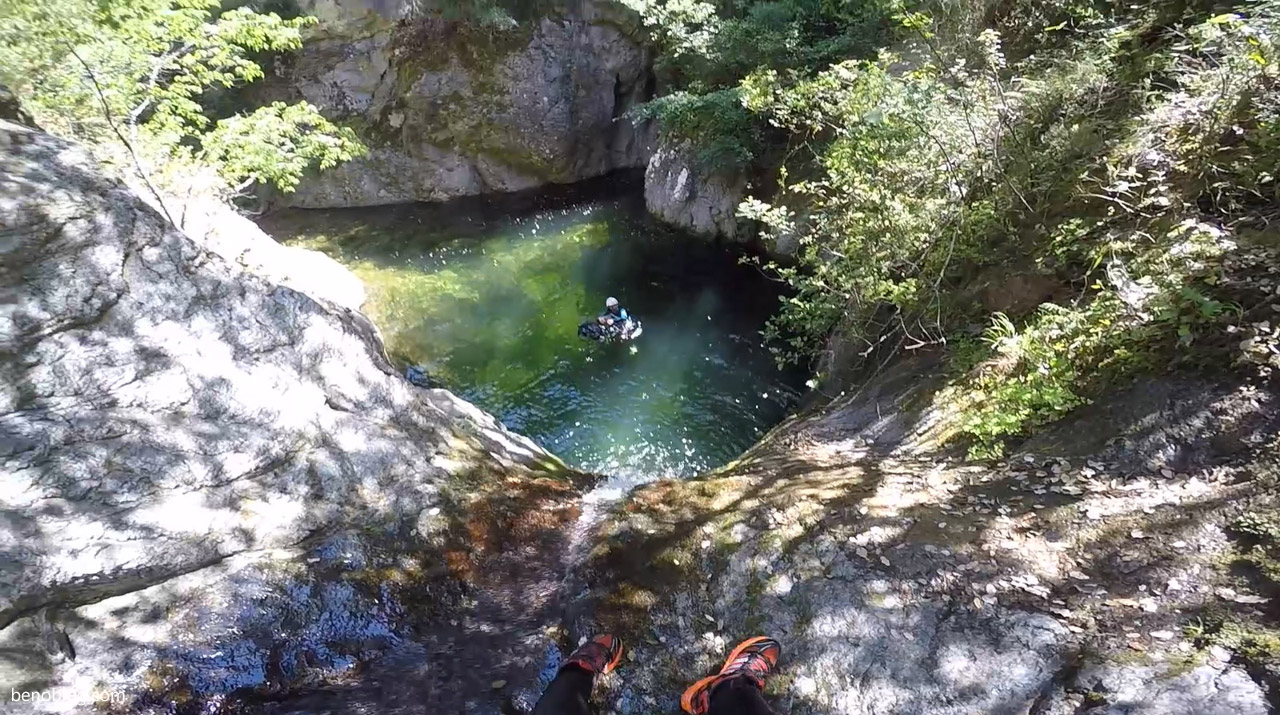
(215, 486)
(855, 641)
(452, 109)
(679, 192)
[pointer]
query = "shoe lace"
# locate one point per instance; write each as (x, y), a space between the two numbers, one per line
(753, 663)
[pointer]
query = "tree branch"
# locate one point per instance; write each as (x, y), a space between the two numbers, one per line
(162, 62)
(111, 122)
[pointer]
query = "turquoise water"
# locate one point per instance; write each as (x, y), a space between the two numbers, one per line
(488, 296)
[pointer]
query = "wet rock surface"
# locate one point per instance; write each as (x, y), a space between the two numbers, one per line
(215, 488)
(900, 581)
(453, 109)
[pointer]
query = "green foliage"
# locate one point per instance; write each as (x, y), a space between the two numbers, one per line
(1032, 374)
(1257, 644)
(276, 144)
(711, 46)
(714, 44)
(882, 225)
(684, 27)
(1263, 527)
(1037, 373)
(795, 36)
(1227, 136)
(1092, 162)
(723, 132)
(98, 71)
(1258, 533)
(499, 15)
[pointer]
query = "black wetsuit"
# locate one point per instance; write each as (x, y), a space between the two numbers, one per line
(618, 313)
(570, 693)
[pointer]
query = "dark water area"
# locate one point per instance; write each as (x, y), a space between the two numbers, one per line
(488, 295)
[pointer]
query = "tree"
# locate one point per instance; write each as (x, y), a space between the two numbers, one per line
(134, 73)
(276, 144)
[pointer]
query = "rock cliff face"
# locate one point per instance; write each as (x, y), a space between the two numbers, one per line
(215, 488)
(454, 109)
(678, 192)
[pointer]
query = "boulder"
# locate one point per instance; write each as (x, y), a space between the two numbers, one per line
(455, 108)
(217, 490)
(680, 192)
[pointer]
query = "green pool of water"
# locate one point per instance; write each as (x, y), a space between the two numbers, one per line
(488, 295)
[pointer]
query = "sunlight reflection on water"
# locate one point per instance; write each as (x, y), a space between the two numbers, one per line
(490, 301)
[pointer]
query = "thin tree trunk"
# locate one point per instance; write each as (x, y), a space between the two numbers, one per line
(111, 122)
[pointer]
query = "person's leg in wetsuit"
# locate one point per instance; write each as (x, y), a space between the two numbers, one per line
(738, 688)
(738, 696)
(569, 692)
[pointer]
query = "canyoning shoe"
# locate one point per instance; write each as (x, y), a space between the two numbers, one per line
(598, 655)
(754, 659)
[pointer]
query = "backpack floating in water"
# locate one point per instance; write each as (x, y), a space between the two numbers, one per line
(619, 332)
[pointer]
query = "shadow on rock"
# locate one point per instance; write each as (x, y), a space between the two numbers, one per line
(219, 494)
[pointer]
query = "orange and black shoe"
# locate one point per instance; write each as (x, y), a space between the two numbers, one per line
(754, 659)
(598, 655)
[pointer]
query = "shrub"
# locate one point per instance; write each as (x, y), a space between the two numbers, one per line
(709, 47)
(1093, 161)
(130, 77)
(726, 135)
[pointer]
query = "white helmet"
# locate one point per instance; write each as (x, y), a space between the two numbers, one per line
(610, 302)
